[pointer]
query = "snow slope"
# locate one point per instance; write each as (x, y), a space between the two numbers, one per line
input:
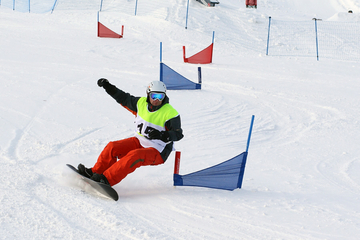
(301, 180)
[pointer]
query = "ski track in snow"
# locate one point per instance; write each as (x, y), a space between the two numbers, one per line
(301, 179)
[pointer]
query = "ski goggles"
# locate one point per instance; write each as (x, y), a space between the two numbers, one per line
(158, 96)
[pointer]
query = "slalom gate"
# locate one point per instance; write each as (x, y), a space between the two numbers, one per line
(316, 38)
(227, 175)
(175, 81)
(202, 57)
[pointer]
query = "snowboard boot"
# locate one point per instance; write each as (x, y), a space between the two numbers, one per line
(100, 178)
(86, 172)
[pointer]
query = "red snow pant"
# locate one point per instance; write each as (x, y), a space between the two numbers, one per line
(119, 158)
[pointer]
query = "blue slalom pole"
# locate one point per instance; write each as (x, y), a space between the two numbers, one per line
(213, 37)
(199, 75)
(160, 51)
(317, 45)
(161, 72)
(267, 47)
(187, 14)
(53, 6)
(135, 7)
(161, 64)
(251, 126)
(101, 5)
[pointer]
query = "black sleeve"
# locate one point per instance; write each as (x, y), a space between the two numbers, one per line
(173, 126)
(125, 99)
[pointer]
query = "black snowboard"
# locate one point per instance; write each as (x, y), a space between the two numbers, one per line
(103, 189)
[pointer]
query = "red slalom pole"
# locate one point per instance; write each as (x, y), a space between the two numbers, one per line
(177, 162)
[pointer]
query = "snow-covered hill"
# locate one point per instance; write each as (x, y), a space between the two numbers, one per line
(301, 180)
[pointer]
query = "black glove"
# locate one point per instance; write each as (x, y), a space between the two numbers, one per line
(156, 134)
(102, 81)
(109, 88)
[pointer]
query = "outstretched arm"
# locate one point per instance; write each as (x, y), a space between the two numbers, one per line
(125, 99)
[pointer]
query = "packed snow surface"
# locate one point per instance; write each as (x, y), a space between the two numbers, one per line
(302, 176)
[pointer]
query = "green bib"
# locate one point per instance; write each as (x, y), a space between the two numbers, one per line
(146, 121)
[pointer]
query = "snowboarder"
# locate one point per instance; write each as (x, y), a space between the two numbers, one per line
(157, 126)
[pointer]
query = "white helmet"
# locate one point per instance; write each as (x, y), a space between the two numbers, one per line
(156, 86)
